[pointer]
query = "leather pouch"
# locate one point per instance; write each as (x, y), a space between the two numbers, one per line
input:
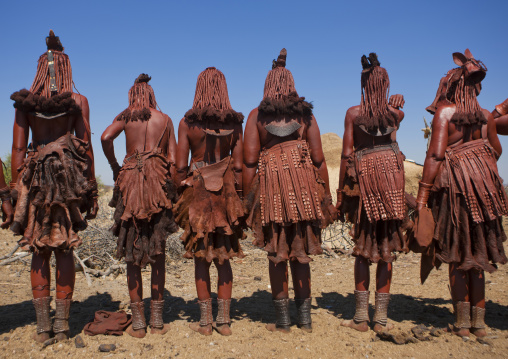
(213, 175)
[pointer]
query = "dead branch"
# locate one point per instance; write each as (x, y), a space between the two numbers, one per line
(14, 258)
(108, 271)
(11, 253)
(85, 269)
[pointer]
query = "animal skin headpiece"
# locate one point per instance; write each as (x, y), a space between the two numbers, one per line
(368, 63)
(472, 70)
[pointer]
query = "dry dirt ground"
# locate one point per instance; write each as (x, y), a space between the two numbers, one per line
(411, 304)
(332, 279)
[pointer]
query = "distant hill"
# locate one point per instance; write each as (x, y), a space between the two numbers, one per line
(332, 148)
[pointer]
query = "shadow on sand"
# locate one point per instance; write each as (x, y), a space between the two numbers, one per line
(426, 311)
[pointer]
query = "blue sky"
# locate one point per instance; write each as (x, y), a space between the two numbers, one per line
(111, 42)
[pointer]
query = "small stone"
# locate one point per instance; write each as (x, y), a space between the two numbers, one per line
(436, 332)
(79, 342)
(105, 348)
(6, 339)
(48, 342)
(148, 347)
(397, 339)
(257, 278)
(418, 332)
(484, 341)
(423, 327)
(465, 339)
(412, 340)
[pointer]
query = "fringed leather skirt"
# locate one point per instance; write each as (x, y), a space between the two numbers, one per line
(374, 202)
(52, 195)
(143, 200)
(287, 206)
(468, 201)
(211, 214)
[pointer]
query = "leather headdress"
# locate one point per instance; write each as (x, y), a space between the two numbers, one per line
(368, 63)
(473, 70)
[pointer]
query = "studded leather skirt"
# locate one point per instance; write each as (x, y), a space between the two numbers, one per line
(287, 206)
(374, 202)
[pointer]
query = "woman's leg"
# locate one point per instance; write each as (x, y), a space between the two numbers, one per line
(135, 284)
(477, 298)
(280, 296)
(224, 291)
(300, 272)
(362, 282)
(383, 282)
(158, 280)
(202, 279)
(65, 279)
(459, 283)
(40, 277)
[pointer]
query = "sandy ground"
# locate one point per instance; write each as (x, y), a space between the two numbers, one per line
(332, 279)
(411, 304)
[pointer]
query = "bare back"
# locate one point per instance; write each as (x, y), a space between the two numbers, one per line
(141, 136)
(45, 131)
(210, 148)
(146, 135)
(361, 139)
(49, 130)
(446, 134)
(268, 140)
(257, 138)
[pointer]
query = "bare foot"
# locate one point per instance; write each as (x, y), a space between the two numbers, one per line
(306, 327)
(460, 332)
(361, 326)
(223, 329)
(479, 332)
(62, 336)
(139, 333)
(42, 337)
(275, 328)
(160, 331)
(206, 330)
(378, 328)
